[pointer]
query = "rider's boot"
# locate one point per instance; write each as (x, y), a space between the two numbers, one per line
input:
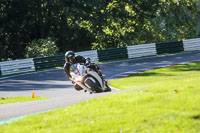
(107, 88)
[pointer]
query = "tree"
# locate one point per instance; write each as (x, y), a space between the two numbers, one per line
(116, 23)
(178, 19)
(23, 21)
(41, 47)
(81, 25)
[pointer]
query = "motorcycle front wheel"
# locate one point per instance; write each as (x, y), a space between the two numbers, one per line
(93, 85)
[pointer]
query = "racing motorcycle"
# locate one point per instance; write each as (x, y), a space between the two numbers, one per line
(87, 77)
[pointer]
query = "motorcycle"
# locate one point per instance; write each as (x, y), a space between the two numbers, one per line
(87, 77)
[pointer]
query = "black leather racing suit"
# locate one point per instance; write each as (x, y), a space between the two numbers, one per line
(78, 59)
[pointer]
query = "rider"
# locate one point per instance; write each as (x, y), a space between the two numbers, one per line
(72, 59)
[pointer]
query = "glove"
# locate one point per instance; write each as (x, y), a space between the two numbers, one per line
(88, 61)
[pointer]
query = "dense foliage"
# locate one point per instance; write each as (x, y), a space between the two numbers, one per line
(93, 24)
(41, 47)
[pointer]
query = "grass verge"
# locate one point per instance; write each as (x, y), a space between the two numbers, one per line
(170, 104)
(169, 77)
(19, 99)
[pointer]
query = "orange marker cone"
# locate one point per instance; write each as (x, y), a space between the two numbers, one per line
(33, 95)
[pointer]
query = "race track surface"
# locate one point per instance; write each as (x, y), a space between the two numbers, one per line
(54, 84)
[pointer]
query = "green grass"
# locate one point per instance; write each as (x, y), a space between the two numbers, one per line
(170, 104)
(170, 77)
(5, 100)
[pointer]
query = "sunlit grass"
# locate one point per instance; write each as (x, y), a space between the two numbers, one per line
(172, 76)
(5, 100)
(170, 104)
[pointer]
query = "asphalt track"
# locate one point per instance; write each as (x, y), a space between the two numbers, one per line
(54, 84)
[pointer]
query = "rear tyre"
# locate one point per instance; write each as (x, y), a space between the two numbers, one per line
(93, 86)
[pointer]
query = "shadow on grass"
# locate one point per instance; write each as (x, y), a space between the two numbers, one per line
(196, 117)
(150, 74)
(186, 67)
(178, 68)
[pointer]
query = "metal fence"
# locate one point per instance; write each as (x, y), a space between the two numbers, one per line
(169, 47)
(112, 54)
(141, 50)
(17, 66)
(49, 62)
(92, 54)
(135, 51)
(191, 44)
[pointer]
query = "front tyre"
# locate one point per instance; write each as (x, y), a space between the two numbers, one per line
(93, 85)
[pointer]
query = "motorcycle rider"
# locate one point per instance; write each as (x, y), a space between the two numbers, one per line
(72, 59)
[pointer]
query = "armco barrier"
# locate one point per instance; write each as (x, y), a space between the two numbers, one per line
(92, 54)
(169, 47)
(59, 60)
(141, 50)
(191, 44)
(112, 54)
(134, 51)
(49, 62)
(17, 66)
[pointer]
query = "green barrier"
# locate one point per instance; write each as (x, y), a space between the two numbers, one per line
(169, 47)
(112, 54)
(49, 62)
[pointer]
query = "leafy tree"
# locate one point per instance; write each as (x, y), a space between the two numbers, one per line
(176, 20)
(81, 25)
(118, 23)
(23, 21)
(14, 30)
(124, 22)
(41, 47)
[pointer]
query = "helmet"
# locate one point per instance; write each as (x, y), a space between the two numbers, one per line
(70, 56)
